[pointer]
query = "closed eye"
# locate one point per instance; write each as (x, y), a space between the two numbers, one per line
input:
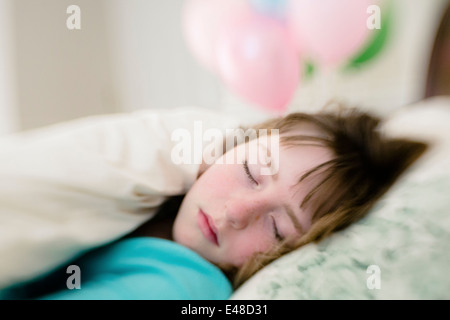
(249, 175)
(275, 230)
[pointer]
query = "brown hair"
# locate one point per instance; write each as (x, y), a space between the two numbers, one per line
(365, 165)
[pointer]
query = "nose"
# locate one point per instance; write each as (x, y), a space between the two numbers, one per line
(244, 211)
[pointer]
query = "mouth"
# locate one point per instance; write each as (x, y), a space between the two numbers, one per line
(207, 227)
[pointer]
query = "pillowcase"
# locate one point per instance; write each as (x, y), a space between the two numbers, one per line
(401, 250)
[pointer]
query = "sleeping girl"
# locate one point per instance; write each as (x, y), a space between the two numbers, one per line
(209, 235)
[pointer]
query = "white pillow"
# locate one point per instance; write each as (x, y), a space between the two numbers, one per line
(401, 250)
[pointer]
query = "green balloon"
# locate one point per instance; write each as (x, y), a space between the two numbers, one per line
(377, 43)
(374, 46)
(308, 70)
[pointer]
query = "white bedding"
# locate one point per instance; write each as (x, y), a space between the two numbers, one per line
(80, 184)
(76, 185)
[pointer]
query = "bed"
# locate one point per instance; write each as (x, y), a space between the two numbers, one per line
(401, 250)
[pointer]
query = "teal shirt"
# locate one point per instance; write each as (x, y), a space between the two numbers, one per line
(146, 269)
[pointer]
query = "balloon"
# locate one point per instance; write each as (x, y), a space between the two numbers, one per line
(328, 30)
(376, 41)
(258, 60)
(202, 20)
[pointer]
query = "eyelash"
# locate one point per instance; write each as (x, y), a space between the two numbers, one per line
(275, 230)
(253, 180)
(249, 175)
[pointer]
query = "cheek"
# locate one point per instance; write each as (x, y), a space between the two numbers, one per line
(218, 180)
(245, 245)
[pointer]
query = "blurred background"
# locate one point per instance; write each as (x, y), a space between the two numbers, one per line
(139, 54)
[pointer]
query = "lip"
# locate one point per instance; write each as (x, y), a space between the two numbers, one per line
(207, 227)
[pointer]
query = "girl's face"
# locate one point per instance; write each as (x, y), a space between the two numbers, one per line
(233, 211)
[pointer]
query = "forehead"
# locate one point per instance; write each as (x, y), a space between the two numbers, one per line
(302, 144)
(290, 161)
(294, 162)
(297, 160)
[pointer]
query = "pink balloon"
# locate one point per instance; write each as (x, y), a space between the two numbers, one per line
(202, 20)
(329, 30)
(258, 60)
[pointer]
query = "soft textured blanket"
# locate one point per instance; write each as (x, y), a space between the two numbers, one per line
(73, 186)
